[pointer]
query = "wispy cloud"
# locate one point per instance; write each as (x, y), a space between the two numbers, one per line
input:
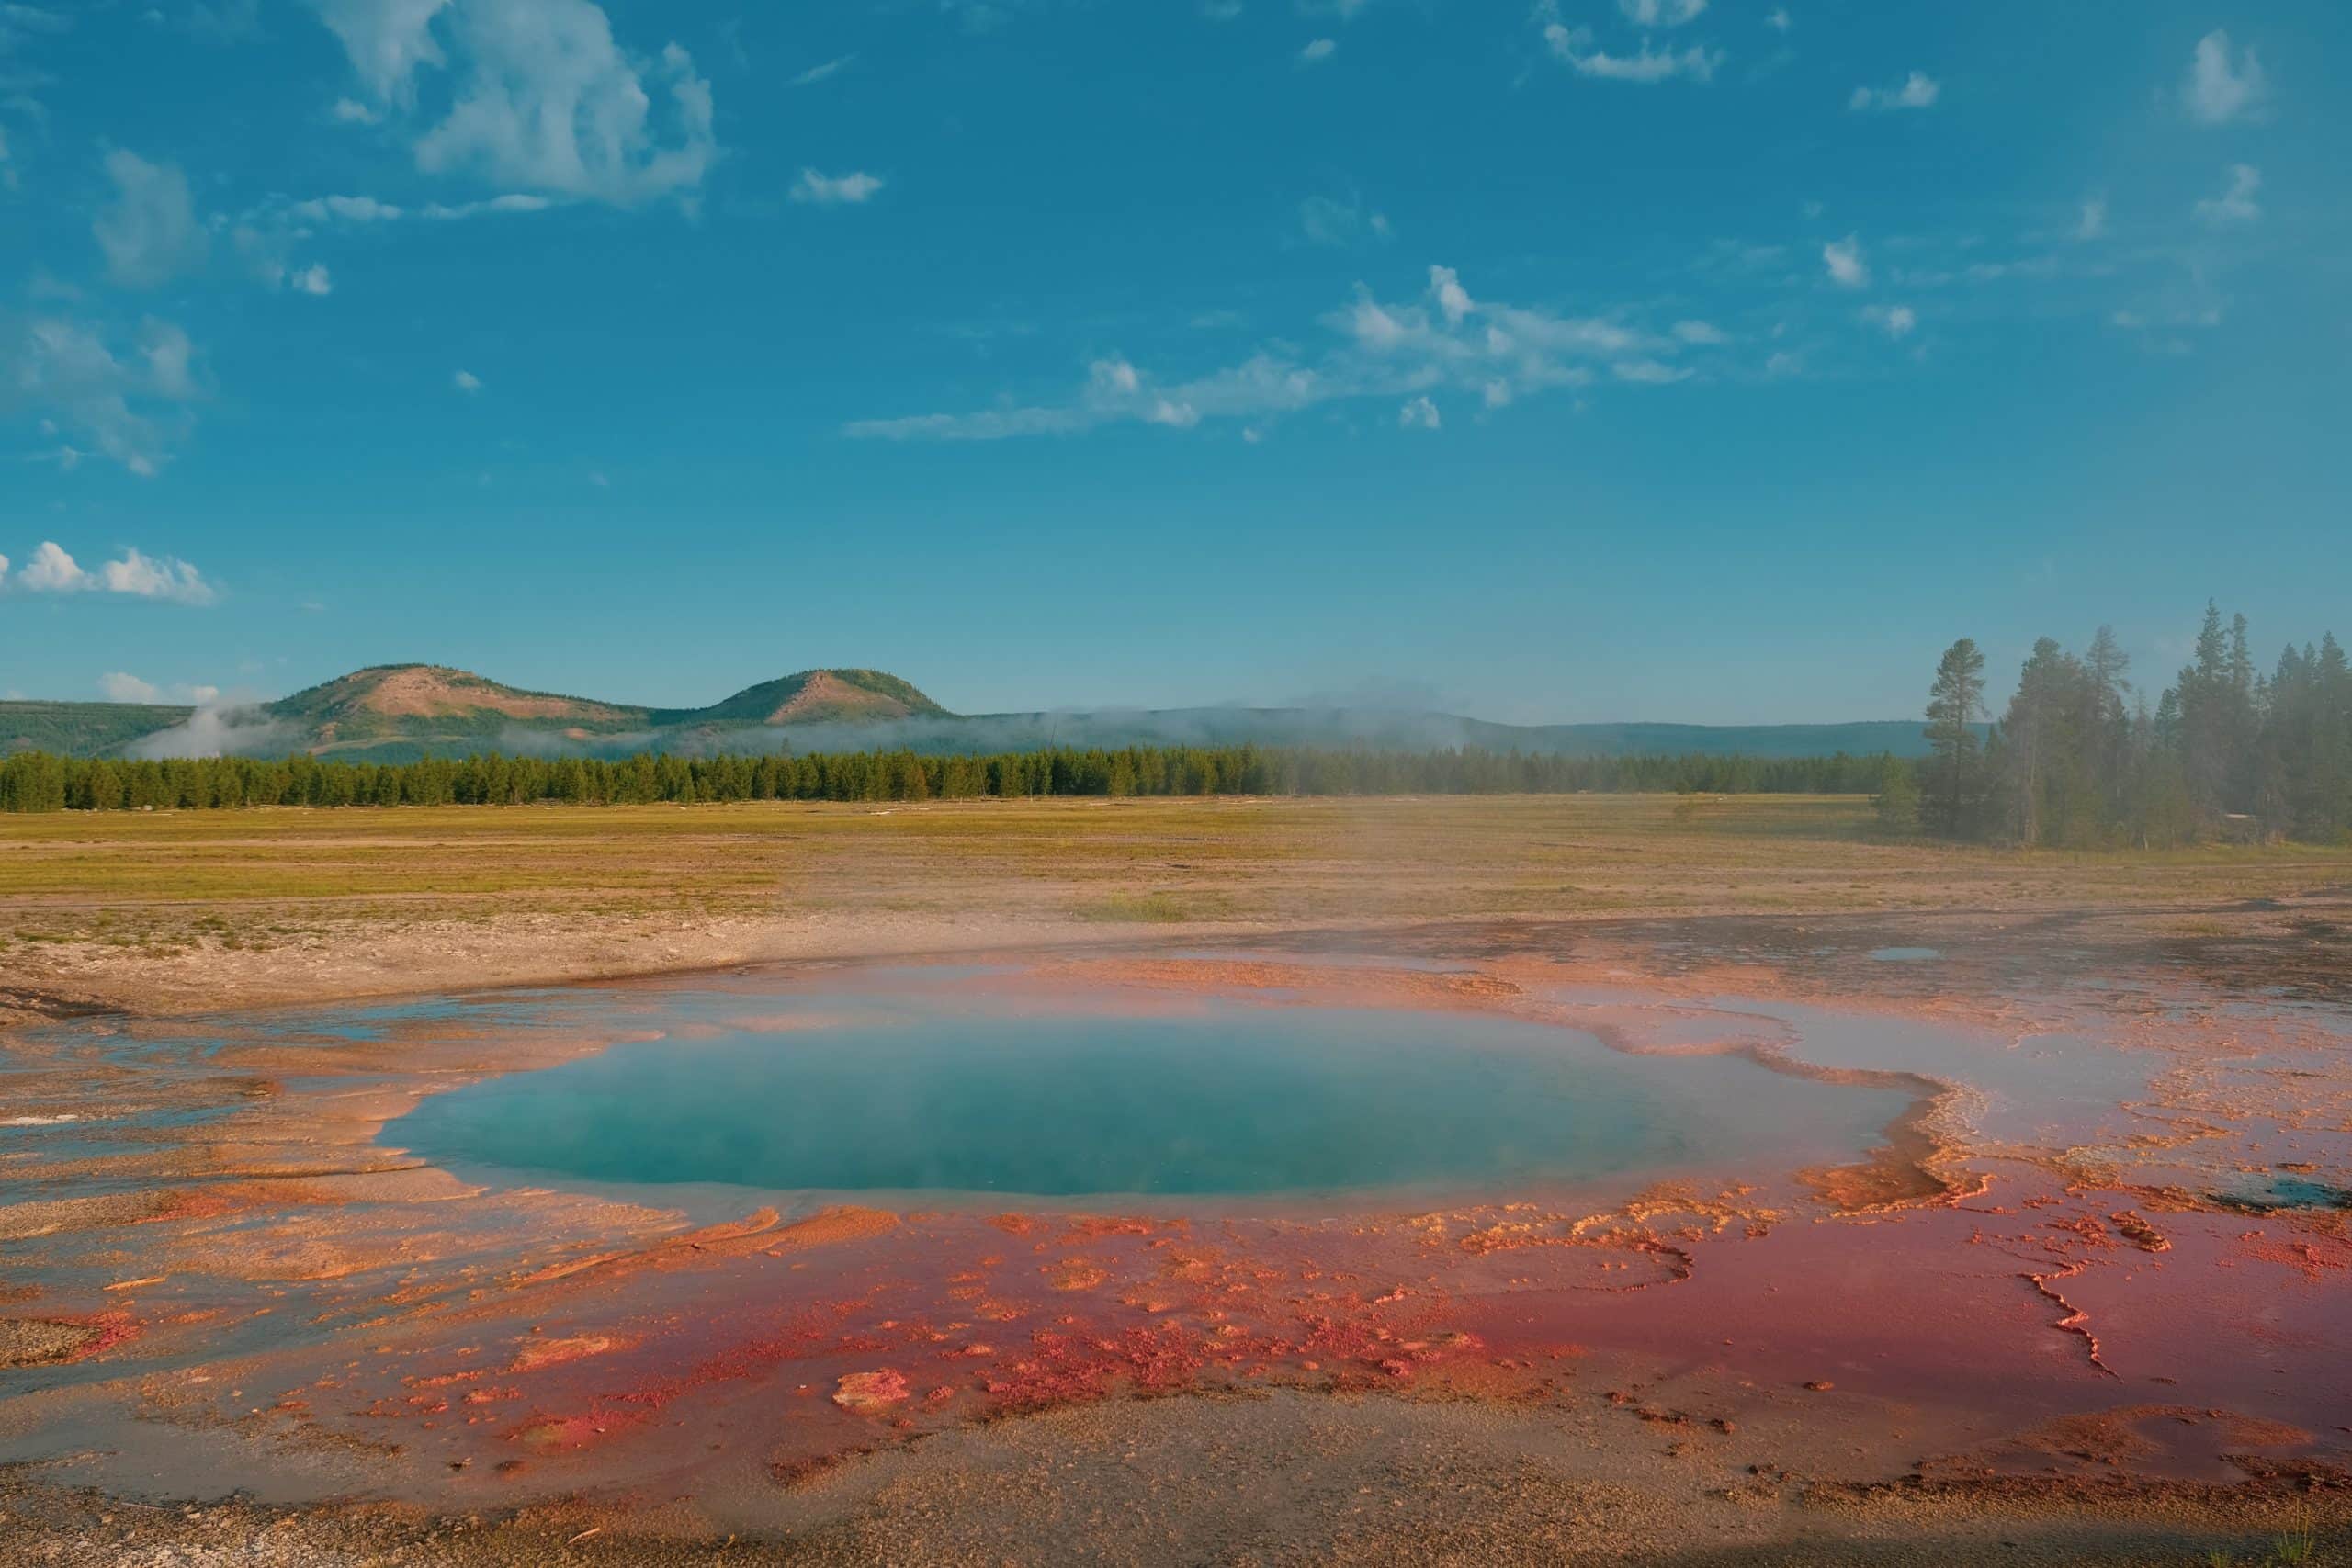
(128, 406)
(834, 190)
(1844, 260)
(1576, 48)
(1330, 220)
(1916, 91)
(150, 231)
(1317, 50)
(816, 73)
(119, 686)
(1661, 13)
(2092, 222)
(1895, 321)
(2220, 90)
(1443, 339)
(2235, 204)
(466, 381)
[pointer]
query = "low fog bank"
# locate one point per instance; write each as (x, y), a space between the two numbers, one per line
(251, 732)
(238, 730)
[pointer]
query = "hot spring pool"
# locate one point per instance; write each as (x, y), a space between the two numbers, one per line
(884, 1095)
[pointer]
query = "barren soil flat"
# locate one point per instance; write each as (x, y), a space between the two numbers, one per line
(2085, 1294)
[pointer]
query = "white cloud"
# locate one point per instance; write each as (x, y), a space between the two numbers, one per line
(149, 233)
(312, 279)
(466, 381)
(3, 569)
(1895, 321)
(2236, 205)
(1660, 13)
(1844, 260)
(2218, 92)
(351, 112)
(126, 408)
(1574, 47)
(1420, 415)
(2092, 224)
(1454, 300)
(1777, 19)
(1919, 91)
(1444, 340)
(121, 687)
(1327, 221)
(1317, 49)
(170, 360)
(1701, 334)
(387, 40)
(816, 73)
(147, 577)
(51, 571)
(542, 96)
(832, 190)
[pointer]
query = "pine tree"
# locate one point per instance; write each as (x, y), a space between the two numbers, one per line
(1954, 702)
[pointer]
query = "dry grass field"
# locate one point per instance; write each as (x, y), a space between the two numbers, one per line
(191, 909)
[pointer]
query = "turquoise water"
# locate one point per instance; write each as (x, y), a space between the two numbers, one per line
(1231, 1101)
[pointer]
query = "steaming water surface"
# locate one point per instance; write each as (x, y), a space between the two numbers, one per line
(884, 1095)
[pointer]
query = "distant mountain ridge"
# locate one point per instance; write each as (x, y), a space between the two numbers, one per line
(399, 712)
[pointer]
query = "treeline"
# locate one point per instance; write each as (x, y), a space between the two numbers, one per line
(2080, 758)
(40, 781)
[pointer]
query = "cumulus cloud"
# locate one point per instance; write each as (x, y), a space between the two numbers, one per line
(2235, 204)
(1317, 49)
(2219, 90)
(1844, 260)
(1407, 352)
(137, 576)
(146, 576)
(149, 231)
(466, 381)
(51, 571)
(541, 95)
(834, 190)
(128, 406)
(1918, 90)
(1895, 321)
(312, 279)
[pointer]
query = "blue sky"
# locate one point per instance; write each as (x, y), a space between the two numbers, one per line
(1600, 359)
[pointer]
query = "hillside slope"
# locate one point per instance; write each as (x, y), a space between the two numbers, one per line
(396, 712)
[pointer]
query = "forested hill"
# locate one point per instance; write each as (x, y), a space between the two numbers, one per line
(399, 713)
